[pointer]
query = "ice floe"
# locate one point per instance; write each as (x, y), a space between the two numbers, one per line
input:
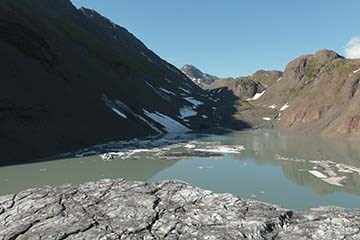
(169, 124)
(334, 180)
(337, 181)
(205, 167)
(317, 174)
(190, 145)
(222, 149)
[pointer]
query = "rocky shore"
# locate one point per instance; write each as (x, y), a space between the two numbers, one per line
(121, 209)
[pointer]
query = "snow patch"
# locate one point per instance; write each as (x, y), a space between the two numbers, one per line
(167, 91)
(273, 106)
(266, 118)
(169, 124)
(279, 79)
(204, 116)
(356, 71)
(187, 111)
(193, 101)
(119, 113)
(185, 90)
(149, 59)
(283, 108)
(256, 96)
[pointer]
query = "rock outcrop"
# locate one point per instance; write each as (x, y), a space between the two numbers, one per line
(317, 94)
(247, 87)
(121, 209)
(197, 76)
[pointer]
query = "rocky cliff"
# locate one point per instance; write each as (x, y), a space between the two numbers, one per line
(317, 94)
(121, 209)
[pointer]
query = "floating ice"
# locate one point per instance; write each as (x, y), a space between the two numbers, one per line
(222, 149)
(335, 180)
(190, 146)
(317, 174)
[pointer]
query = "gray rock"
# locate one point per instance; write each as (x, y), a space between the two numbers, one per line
(121, 209)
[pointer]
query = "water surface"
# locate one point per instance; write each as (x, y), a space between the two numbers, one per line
(291, 170)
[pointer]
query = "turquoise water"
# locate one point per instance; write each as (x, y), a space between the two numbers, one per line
(291, 170)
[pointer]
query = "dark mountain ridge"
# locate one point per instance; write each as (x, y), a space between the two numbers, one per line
(72, 78)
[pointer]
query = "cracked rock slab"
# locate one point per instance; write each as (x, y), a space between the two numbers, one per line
(121, 209)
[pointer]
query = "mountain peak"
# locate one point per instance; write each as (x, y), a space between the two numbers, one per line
(326, 55)
(197, 76)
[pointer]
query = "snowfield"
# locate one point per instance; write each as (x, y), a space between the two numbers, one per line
(169, 124)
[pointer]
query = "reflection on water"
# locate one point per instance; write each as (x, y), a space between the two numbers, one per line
(279, 167)
(76, 170)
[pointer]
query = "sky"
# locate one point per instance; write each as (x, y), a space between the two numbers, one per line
(232, 38)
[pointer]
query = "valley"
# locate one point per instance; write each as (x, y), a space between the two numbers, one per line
(101, 138)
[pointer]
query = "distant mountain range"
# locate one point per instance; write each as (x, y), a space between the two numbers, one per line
(317, 94)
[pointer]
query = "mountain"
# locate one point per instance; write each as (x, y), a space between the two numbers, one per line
(317, 94)
(197, 76)
(247, 87)
(72, 78)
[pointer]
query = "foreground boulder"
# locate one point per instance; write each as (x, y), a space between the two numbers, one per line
(121, 209)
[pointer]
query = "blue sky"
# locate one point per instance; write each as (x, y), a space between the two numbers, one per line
(236, 37)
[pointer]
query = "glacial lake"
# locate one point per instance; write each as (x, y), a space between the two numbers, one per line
(283, 168)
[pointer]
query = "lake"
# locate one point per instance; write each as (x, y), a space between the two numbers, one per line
(283, 168)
